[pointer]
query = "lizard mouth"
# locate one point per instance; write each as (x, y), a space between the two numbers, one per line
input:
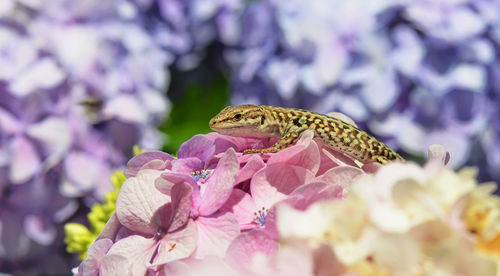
(237, 130)
(232, 127)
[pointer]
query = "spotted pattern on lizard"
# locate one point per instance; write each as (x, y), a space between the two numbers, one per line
(289, 123)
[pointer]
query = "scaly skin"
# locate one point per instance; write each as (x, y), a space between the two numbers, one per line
(289, 123)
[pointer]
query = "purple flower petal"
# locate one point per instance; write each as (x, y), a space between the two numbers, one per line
(8, 123)
(39, 229)
(55, 135)
(25, 162)
(14, 241)
(199, 146)
(181, 205)
(187, 165)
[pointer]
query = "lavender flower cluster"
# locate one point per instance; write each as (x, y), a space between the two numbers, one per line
(80, 84)
(185, 28)
(412, 72)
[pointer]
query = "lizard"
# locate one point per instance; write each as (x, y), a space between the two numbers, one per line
(288, 123)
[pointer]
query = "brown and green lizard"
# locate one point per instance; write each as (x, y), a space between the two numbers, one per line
(289, 123)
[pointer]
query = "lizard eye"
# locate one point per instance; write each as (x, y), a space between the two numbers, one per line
(237, 116)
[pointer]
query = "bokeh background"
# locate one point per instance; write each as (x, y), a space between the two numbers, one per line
(82, 82)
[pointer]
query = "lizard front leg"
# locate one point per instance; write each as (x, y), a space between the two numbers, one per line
(282, 143)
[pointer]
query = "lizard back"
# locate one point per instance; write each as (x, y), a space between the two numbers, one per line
(333, 132)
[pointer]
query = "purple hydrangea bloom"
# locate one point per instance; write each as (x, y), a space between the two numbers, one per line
(80, 84)
(414, 73)
(186, 28)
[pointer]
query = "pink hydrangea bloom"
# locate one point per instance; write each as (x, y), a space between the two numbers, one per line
(214, 208)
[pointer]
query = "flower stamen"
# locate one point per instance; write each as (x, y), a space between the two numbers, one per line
(260, 216)
(200, 176)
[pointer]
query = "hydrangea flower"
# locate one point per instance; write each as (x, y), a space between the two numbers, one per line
(187, 28)
(414, 73)
(80, 85)
(441, 221)
(213, 206)
(432, 216)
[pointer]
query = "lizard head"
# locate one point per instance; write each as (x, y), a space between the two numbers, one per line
(241, 120)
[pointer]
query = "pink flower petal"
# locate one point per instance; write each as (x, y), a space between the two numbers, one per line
(181, 205)
(168, 179)
(187, 165)
(242, 206)
(210, 265)
(341, 175)
(95, 255)
(372, 167)
(139, 200)
(25, 162)
(223, 142)
(114, 265)
(310, 193)
(177, 245)
(179, 267)
(220, 184)
(272, 183)
(137, 250)
(124, 232)
(151, 160)
(327, 263)
(291, 259)
(241, 251)
(304, 154)
(198, 146)
(331, 158)
(215, 233)
(439, 153)
(271, 226)
(438, 157)
(254, 164)
(110, 229)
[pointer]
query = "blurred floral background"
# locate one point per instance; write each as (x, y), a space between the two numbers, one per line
(82, 82)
